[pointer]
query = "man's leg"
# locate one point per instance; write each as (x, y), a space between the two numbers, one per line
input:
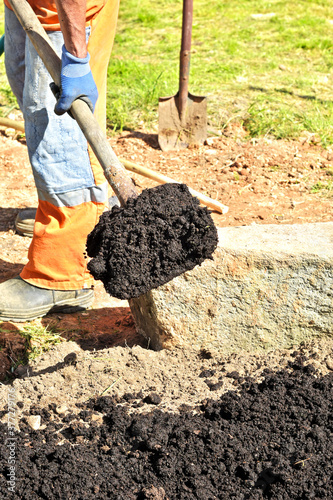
(70, 201)
(72, 194)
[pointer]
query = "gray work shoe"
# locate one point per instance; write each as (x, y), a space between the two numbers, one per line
(20, 301)
(25, 220)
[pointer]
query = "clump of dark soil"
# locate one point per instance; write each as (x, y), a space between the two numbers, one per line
(156, 237)
(270, 439)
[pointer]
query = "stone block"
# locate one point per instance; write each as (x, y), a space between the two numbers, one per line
(267, 287)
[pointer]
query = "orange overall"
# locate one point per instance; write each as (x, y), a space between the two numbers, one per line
(56, 254)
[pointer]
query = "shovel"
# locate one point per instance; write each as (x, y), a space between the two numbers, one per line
(183, 117)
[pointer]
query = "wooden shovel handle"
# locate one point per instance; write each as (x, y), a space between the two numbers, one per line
(114, 171)
(163, 179)
(187, 24)
(185, 56)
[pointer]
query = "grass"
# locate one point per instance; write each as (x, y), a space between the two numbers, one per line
(323, 188)
(273, 73)
(38, 339)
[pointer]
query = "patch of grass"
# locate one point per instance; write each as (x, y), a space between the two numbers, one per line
(324, 188)
(38, 339)
(284, 119)
(271, 72)
(133, 106)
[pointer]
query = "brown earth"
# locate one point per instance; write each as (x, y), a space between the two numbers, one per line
(262, 181)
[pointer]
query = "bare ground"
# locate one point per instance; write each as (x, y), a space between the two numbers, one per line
(262, 181)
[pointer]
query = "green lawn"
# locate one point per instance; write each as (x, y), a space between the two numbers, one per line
(267, 64)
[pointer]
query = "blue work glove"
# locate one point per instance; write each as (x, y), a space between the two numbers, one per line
(76, 82)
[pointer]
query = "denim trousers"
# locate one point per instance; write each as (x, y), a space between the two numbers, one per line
(57, 148)
(72, 193)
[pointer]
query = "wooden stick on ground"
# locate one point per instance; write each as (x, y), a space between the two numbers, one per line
(163, 179)
(6, 122)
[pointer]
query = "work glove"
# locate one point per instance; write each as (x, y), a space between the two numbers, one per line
(76, 82)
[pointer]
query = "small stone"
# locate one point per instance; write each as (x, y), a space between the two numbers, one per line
(329, 363)
(61, 409)
(34, 421)
(97, 418)
(209, 141)
(153, 493)
(21, 371)
(316, 364)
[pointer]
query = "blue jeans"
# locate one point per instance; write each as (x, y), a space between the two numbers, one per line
(70, 200)
(57, 148)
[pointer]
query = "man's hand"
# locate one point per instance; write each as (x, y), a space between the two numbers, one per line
(76, 82)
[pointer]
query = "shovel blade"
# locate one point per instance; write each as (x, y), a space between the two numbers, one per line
(174, 134)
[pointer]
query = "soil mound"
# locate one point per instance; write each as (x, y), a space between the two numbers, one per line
(156, 237)
(271, 439)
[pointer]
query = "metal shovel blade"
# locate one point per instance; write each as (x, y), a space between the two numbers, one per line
(174, 133)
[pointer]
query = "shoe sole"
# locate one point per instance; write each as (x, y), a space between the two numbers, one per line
(25, 225)
(25, 229)
(66, 307)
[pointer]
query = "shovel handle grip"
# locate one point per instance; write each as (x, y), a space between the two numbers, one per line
(185, 56)
(114, 171)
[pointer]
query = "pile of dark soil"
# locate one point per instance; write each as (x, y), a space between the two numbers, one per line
(158, 235)
(269, 439)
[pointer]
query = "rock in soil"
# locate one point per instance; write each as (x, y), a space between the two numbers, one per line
(156, 237)
(271, 439)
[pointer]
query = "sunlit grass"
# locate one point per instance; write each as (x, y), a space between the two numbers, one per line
(266, 64)
(38, 339)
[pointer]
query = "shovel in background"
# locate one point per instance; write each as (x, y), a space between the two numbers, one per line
(183, 117)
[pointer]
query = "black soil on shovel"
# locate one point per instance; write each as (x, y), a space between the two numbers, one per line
(156, 237)
(267, 440)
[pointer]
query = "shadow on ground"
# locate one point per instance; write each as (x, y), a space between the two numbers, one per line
(8, 270)
(7, 218)
(97, 329)
(150, 139)
(92, 330)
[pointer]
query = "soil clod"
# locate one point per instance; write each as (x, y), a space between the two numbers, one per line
(158, 235)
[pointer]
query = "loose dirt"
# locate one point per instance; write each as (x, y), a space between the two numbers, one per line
(267, 439)
(158, 235)
(121, 421)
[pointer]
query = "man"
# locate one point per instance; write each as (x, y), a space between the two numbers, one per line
(72, 191)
